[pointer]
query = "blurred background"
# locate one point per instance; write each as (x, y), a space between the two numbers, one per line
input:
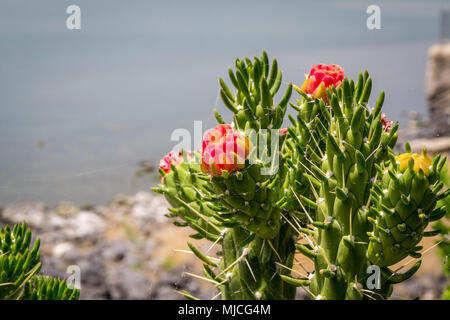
(85, 115)
(81, 109)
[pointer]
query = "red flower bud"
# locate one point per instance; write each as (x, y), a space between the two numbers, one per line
(174, 158)
(320, 78)
(387, 124)
(223, 149)
(283, 131)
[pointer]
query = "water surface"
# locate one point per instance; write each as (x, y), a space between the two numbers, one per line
(80, 109)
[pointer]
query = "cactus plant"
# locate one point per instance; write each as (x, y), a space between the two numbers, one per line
(19, 267)
(227, 200)
(329, 180)
(368, 210)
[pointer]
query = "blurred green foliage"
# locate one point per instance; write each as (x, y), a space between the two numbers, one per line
(19, 267)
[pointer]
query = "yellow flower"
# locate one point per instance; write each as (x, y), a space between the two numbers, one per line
(420, 161)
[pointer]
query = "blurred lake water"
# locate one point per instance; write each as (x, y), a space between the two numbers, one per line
(79, 109)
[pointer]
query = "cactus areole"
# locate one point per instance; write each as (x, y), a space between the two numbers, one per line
(327, 186)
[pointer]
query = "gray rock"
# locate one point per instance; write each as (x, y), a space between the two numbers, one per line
(148, 208)
(174, 276)
(32, 213)
(425, 286)
(126, 284)
(65, 251)
(85, 225)
(166, 293)
(173, 280)
(117, 250)
(438, 87)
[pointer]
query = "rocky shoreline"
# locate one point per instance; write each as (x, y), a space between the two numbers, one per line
(120, 248)
(125, 250)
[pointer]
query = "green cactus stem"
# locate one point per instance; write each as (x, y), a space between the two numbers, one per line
(253, 193)
(347, 141)
(401, 209)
